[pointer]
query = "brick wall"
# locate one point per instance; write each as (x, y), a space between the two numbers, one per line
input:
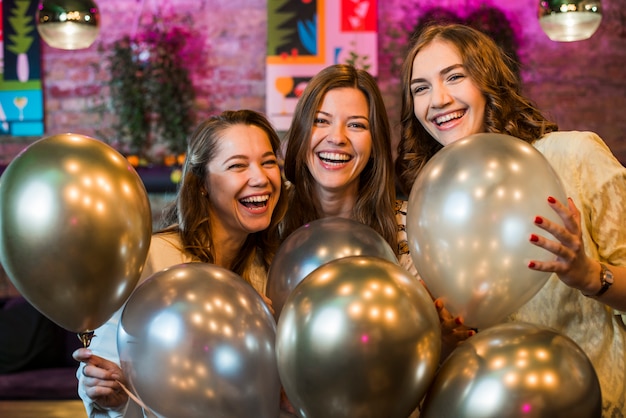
(581, 84)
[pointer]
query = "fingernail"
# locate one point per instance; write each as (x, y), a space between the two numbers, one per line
(458, 320)
(534, 238)
(538, 220)
(551, 199)
(472, 333)
(438, 304)
(531, 264)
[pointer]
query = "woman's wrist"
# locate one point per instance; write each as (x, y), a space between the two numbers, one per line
(598, 283)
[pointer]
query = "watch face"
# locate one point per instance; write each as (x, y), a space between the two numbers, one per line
(607, 275)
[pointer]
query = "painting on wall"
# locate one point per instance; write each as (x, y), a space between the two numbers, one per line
(304, 36)
(21, 96)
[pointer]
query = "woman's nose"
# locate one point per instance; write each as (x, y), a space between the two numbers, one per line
(258, 176)
(337, 135)
(440, 96)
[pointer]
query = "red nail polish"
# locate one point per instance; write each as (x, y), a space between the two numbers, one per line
(458, 320)
(538, 220)
(531, 264)
(471, 333)
(551, 199)
(534, 238)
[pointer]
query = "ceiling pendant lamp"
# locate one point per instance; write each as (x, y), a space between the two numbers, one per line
(68, 24)
(569, 20)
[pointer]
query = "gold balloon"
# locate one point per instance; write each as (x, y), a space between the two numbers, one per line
(515, 370)
(358, 337)
(75, 227)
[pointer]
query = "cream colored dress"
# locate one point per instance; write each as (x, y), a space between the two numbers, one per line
(164, 252)
(596, 181)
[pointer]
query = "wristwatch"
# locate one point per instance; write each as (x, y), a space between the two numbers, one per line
(606, 280)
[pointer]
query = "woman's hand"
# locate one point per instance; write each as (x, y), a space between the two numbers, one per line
(100, 378)
(453, 332)
(572, 264)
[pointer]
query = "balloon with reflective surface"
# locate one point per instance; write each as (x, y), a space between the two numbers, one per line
(196, 340)
(358, 337)
(470, 215)
(315, 244)
(515, 370)
(75, 227)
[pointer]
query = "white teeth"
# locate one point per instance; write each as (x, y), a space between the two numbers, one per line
(448, 117)
(334, 156)
(256, 199)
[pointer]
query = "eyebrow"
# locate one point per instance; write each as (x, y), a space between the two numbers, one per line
(442, 72)
(349, 117)
(245, 157)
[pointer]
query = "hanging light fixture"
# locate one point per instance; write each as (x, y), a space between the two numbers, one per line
(569, 20)
(68, 24)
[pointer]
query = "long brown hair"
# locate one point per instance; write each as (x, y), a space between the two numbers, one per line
(188, 215)
(507, 111)
(376, 194)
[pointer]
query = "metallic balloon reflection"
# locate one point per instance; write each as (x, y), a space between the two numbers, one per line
(196, 340)
(358, 337)
(515, 370)
(315, 244)
(75, 227)
(470, 215)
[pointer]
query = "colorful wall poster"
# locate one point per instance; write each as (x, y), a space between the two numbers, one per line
(21, 95)
(304, 36)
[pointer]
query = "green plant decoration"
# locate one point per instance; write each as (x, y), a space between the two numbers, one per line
(151, 94)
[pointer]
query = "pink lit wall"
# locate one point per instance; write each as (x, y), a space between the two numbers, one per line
(582, 84)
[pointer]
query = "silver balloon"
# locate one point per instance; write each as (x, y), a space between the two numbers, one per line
(75, 227)
(196, 340)
(315, 244)
(470, 215)
(358, 337)
(515, 370)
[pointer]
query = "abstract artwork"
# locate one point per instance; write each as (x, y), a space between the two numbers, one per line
(21, 96)
(304, 36)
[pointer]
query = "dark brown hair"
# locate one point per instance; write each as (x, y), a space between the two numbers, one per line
(376, 195)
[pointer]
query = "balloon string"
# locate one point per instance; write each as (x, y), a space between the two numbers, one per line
(134, 398)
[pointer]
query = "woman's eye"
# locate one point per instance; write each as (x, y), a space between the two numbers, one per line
(455, 77)
(319, 121)
(418, 89)
(270, 163)
(357, 125)
(237, 166)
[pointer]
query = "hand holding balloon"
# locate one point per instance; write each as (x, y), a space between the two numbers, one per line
(453, 331)
(571, 264)
(102, 379)
(468, 223)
